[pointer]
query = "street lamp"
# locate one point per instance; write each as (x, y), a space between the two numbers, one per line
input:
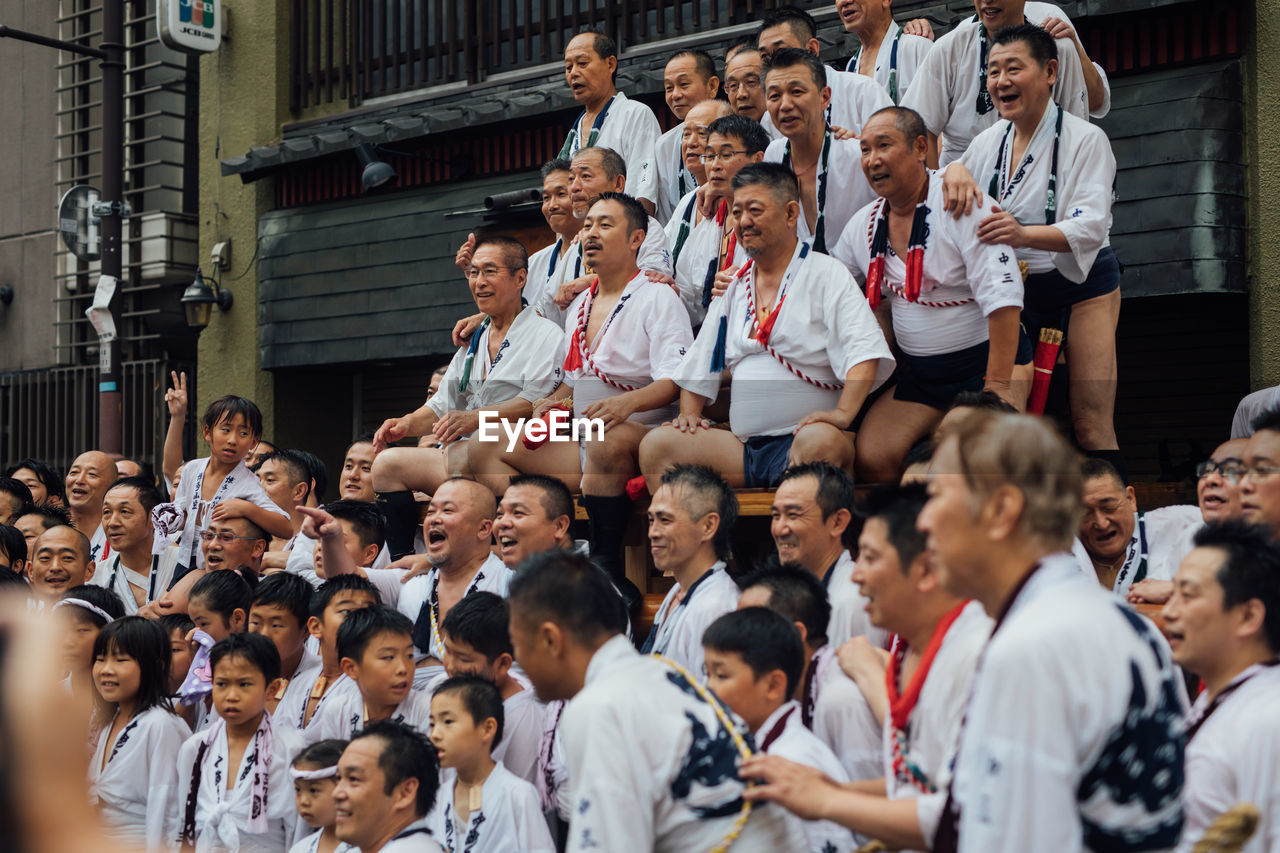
(199, 298)
(376, 172)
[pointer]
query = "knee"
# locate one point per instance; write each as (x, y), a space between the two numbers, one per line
(386, 468)
(821, 442)
(609, 454)
(1093, 432)
(656, 450)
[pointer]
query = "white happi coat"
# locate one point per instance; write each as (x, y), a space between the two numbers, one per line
(678, 628)
(311, 844)
(1235, 758)
(292, 706)
(911, 53)
(957, 269)
(138, 791)
(842, 719)
(241, 483)
(553, 774)
(660, 178)
(222, 816)
(342, 686)
(414, 838)
(945, 89)
(409, 598)
(649, 336)
(798, 744)
(509, 820)
(847, 187)
(701, 249)
(824, 329)
(121, 580)
(1086, 175)
(526, 368)
(522, 724)
(630, 128)
(1168, 532)
(934, 725)
(1073, 705)
(344, 716)
(650, 767)
(853, 99)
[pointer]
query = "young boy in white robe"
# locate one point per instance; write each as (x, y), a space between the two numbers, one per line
(133, 774)
(755, 660)
(832, 187)
(652, 754)
(831, 705)
(482, 806)
(132, 570)
(1045, 181)
(802, 346)
(330, 605)
(477, 642)
(507, 365)
(233, 780)
(280, 610)
(375, 650)
(953, 97)
(315, 774)
(1223, 622)
(220, 486)
(954, 300)
(82, 612)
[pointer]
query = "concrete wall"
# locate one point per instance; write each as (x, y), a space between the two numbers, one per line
(1262, 103)
(28, 197)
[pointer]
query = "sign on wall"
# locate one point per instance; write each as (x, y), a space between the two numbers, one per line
(190, 24)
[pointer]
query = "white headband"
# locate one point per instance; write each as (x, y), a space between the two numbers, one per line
(312, 775)
(92, 608)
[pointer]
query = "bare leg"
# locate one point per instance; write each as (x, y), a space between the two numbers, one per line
(822, 443)
(888, 431)
(420, 469)
(1091, 366)
(612, 462)
(494, 466)
(665, 447)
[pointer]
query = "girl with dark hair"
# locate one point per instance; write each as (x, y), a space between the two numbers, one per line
(315, 775)
(235, 775)
(133, 775)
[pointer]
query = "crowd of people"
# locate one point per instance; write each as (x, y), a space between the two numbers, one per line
(818, 277)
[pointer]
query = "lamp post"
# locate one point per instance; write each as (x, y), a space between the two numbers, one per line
(111, 209)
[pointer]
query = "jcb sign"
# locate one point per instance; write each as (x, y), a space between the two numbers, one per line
(190, 24)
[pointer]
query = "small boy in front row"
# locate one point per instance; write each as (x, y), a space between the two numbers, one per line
(486, 808)
(375, 650)
(477, 641)
(754, 660)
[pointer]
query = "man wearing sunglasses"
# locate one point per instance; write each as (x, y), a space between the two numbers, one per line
(1218, 481)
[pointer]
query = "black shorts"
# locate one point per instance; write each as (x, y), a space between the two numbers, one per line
(1049, 296)
(764, 458)
(935, 380)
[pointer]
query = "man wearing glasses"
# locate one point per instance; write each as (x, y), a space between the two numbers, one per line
(1125, 546)
(1260, 485)
(508, 363)
(743, 79)
(1218, 481)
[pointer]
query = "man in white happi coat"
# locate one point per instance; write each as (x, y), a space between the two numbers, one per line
(885, 52)
(803, 348)
(621, 347)
(131, 570)
(702, 232)
(387, 783)
(690, 518)
(852, 98)
(688, 79)
(954, 300)
(508, 364)
(1049, 183)
(744, 79)
(832, 187)
(1125, 546)
(1260, 487)
(609, 118)
(652, 754)
(1223, 623)
(953, 96)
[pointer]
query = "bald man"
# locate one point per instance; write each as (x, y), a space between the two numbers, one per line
(458, 530)
(88, 479)
(59, 561)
